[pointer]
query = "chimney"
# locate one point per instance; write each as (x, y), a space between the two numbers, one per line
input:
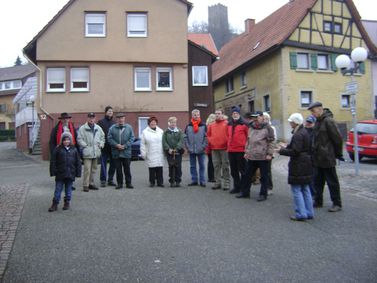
(249, 24)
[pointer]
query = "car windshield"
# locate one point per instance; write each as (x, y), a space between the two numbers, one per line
(363, 128)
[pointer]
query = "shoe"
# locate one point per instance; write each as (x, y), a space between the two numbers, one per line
(310, 218)
(86, 189)
(129, 186)
(225, 189)
(161, 185)
(111, 183)
(172, 185)
(216, 188)
(317, 204)
(118, 187)
(203, 185)
(234, 191)
(261, 198)
(294, 218)
(177, 185)
(334, 208)
(243, 196)
(193, 184)
(93, 187)
(54, 206)
(66, 205)
(270, 192)
(211, 181)
(151, 185)
(73, 188)
(103, 184)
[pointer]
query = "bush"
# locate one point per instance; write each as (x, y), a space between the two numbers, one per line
(7, 135)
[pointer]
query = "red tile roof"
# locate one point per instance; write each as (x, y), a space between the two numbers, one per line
(263, 36)
(205, 40)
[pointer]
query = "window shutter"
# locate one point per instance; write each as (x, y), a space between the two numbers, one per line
(362, 68)
(333, 65)
(314, 62)
(293, 60)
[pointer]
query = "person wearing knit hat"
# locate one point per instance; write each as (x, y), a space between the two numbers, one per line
(106, 156)
(300, 169)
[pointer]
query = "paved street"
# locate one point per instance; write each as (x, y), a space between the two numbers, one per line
(182, 234)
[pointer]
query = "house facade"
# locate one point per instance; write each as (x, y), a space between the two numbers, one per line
(127, 54)
(286, 61)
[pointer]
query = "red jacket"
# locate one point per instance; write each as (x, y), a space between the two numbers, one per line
(237, 137)
(217, 135)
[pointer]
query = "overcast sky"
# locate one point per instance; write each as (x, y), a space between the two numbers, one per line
(21, 20)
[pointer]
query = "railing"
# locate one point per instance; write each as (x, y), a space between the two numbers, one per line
(34, 132)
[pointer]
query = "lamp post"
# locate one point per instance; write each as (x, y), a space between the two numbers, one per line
(343, 62)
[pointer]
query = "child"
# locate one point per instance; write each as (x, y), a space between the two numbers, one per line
(65, 165)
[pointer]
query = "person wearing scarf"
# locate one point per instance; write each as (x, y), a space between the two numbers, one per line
(195, 143)
(63, 126)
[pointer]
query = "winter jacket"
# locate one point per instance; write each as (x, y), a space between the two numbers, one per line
(300, 168)
(91, 141)
(217, 135)
(65, 163)
(237, 135)
(121, 135)
(259, 142)
(105, 125)
(151, 147)
(173, 140)
(327, 141)
(54, 133)
(196, 142)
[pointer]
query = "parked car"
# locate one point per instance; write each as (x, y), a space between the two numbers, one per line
(367, 139)
(135, 147)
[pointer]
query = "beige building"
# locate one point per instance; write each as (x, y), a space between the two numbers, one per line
(129, 54)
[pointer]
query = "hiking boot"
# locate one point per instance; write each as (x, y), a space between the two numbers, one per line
(66, 205)
(111, 183)
(93, 187)
(261, 198)
(54, 206)
(103, 184)
(86, 189)
(334, 208)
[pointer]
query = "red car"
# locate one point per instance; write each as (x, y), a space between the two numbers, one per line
(367, 139)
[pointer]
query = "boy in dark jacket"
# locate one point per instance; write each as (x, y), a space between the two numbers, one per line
(65, 165)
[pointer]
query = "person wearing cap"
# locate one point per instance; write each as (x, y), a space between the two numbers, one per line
(300, 169)
(120, 137)
(237, 137)
(91, 139)
(106, 156)
(309, 126)
(151, 151)
(65, 165)
(327, 147)
(258, 151)
(63, 126)
(196, 143)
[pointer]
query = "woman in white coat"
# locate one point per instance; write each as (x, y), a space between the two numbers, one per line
(152, 152)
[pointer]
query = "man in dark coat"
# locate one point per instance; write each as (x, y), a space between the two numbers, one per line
(105, 124)
(63, 126)
(327, 147)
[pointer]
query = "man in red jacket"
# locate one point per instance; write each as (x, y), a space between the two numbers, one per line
(237, 137)
(218, 139)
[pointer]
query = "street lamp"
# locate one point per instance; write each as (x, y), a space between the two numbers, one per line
(343, 62)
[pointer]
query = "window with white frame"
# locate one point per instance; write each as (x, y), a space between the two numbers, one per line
(346, 101)
(142, 79)
(164, 79)
(302, 60)
(8, 85)
(305, 98)
(79, 79)
(137, 24)
(95, 24)
(17, 84)
(267, 103)
(199, 75)
(323, 62)
(55, 79)
(142, 123)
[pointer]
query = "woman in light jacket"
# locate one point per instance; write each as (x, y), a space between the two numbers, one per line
(152, 151)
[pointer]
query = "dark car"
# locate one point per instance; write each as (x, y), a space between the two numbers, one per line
(367, 139)
(135, 147)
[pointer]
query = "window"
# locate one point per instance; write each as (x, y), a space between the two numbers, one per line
(142, 79)
(7, 85)
(302, 60)
(136, 24)
(305, 99)
(346, 101)
(199, 75)
(229, 85)
(323, 62)
(337, 28)
(95, 24)
(164, 79)
(79, 79)
(1, 85)
(55, 79)
(267, 103)
(142, 123)
(3, 108)
(243, 79)
(327, 26)
(17, 84)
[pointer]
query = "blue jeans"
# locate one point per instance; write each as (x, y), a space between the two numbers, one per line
(193, 170)
(59, 188)
(104, 157)
(303, 201)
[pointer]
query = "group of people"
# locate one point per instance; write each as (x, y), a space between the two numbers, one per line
(238, 147)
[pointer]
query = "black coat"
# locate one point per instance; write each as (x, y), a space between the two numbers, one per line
(54, 132)
(106, 124)
(327, 141)
(300, 168)
(65, 164)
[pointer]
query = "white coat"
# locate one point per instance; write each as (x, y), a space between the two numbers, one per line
(151, 147)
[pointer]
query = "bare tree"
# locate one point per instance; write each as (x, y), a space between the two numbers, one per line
(198, 27)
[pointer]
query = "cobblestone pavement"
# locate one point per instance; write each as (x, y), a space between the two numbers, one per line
(12, 198)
